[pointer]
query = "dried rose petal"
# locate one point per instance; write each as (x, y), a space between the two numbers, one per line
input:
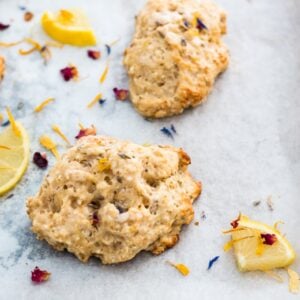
(200, 25)
(40, 160)
(28, 16)
(235, 223)
(38, 275)
(269, 239)
(69, 73)
(121, 94)
(95, 219)
(94, 54)
(85, 132)
(4, 26)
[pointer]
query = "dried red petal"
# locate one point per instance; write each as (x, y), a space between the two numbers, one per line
(40, 160)
(38, 275)
(95, 219)
(4, 26)
(268, 238)
(94, 54)
(28, 16)
(69, 73)
(121, 94)
(235, 223)
(85, 132)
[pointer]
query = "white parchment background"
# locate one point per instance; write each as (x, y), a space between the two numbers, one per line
(244, 144)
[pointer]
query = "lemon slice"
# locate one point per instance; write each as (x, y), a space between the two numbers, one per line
(14, 155)
(69, 27)
(258, 246)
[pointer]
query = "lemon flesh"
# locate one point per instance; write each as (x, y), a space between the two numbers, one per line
(69, 27)
(14, 157)
(278, 255)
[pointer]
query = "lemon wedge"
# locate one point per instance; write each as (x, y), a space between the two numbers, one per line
(258, 246)
(14, 154)
(69, 27)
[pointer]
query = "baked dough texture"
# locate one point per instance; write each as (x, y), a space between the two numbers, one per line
(175, 56)
(112, 199)
(2, 67)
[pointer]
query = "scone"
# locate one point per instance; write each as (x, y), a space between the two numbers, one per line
(2, 67)
(175, 56)
(112, 199)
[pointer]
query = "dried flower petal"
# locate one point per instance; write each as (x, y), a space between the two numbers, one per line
(183, 269)
(40, 160)
(104, 74)
(95, 219)
(102, 101)
(121, 94)
(200, 25)
(86, 131)
(173, 128)
(6, 123)
(38, 275)
(230, 243)
(69, 73)
(166, 131)
(28, 16)
(4, 147)
(13, 123)
(235, 223)
(103, 164)
(46, 54)
(96, 99)
(57, 130)
(4, 26)
(294, 281)
(94, 54)
(46, 142)
(41, 106)
(268, 238)
(212, 262)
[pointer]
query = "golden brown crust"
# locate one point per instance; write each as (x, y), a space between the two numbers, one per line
(172, 64)
(139, 201)
(2, 67)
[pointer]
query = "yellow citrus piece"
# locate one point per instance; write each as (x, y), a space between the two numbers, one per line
(251, 251)
(69, 27)
(14, 155)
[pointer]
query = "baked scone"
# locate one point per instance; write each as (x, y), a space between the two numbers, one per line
(175, 55)
(112, 199)
(2, 67)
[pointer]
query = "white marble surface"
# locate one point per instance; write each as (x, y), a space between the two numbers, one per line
(244, 143)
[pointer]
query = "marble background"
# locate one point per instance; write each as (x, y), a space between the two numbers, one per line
(244, 144)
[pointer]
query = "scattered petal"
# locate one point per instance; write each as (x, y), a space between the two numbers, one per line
(28, 16)
(102, 101)
(46, 54)
(294, 281)
(29, 51)
(38, 275)
(46, 142)
(6, 123)
(4, 44)
(104, 74)
(269, 239)
(4, 147)
(212, 262)
(96, 99)
(183, 269)
(230, 243)
(4, 26)
(121, 94)
(40, 160)
(200, 25)
(86, 131)
(57, 130)
(235, 223)
(13, 123)
(167, 132)
(103, 164)
(94, 54)
(41, 106)
(173, 128)
(108, 49)
(69, 73)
